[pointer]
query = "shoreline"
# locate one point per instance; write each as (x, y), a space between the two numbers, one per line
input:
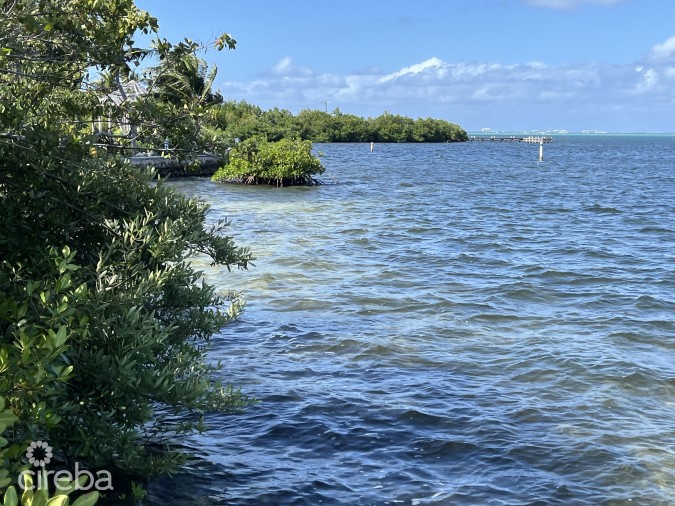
(173, 167)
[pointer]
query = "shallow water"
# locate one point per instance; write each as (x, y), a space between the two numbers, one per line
(450, 324)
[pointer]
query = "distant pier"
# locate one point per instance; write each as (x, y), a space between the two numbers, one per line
(510, 138)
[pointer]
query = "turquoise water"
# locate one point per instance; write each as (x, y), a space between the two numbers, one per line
(450, 324)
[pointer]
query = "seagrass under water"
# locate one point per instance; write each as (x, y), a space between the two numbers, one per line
(451, 324)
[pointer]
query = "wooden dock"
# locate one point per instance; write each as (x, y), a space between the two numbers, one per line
(174, 167)
(531, 139)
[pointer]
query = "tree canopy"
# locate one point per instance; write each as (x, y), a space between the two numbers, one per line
(242, 120)
(103, 321)
(286, 162)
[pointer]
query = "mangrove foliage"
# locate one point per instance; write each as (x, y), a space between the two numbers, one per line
(104, 323)
(243, 120)
(286, 162)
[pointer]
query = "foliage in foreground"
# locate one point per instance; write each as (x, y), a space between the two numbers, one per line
(104, 324)
(33, 496)
(283, 163)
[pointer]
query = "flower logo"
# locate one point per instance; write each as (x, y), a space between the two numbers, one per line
(43, 449)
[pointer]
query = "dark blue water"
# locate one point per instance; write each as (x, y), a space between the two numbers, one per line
(450, 324)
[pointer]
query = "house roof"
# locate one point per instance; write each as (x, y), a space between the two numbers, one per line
(132, 91)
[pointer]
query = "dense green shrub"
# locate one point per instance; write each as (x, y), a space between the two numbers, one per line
(31, 497)
(104, 324)
(242, 120)
(7, 419)
(283, 163)
(102, 337)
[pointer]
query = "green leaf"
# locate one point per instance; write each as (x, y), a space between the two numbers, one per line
(27, 496)
(59, 338)
(59, 500)
(83, 481)
(40, 498)
(65, 485)
(66, 372)
(28, 483)
(11, 499)
(87, 499)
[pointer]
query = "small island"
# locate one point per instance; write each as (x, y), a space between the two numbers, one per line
(287, 162)
(276, 146)
(242, 120)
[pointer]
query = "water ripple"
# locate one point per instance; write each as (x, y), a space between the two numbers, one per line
(499, 332)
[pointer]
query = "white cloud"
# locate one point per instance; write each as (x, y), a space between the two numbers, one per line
(469, 91)
(649, 80)
(664, 51)
(286, 67)
(570, 4)
(433, 66)
(436, 78)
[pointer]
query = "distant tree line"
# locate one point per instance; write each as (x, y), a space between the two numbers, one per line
(243, 120)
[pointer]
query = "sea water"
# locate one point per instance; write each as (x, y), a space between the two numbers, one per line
(449, 324)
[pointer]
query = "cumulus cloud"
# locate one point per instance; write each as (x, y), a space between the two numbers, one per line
(649, 80)
(286, 68)
(570, 4)
(431, 67)
(438, 79)
(664, 51)
(466, 90)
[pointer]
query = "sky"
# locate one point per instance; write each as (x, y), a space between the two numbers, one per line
(508, 65)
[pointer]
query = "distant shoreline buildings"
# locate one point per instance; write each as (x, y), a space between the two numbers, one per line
(487, 130)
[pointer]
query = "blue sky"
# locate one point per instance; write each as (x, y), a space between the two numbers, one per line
(502, 64)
